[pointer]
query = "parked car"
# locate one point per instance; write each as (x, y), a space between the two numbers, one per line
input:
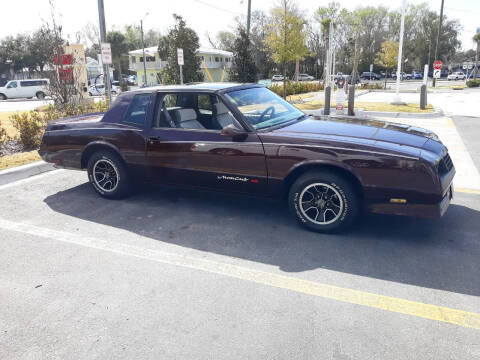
(367, 75)
(350, 79)
(403, 76)
(99, 89)
(305, 77)
(417, 75)
(277, 78)
(30, 88)
(246, 139)
(457, 75)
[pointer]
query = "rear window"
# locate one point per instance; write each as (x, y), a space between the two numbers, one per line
(137, 111)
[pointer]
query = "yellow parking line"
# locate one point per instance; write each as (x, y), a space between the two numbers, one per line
(357, 297)
(467, 191)
(450, 122)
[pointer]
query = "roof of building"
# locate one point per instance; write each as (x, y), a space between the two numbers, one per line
(202, 50)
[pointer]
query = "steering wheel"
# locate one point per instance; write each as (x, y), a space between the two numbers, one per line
(270, 109)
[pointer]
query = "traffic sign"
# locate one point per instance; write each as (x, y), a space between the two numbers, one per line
(437, 64)
(180, 56)
(106, 53)
(437, 73)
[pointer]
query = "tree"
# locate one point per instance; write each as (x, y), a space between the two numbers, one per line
(287, 36)
(183, 37)
(477, 39)
(119, 48)
(243, 66)
(387, 57)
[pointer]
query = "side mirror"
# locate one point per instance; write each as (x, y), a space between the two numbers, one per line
(233, 132)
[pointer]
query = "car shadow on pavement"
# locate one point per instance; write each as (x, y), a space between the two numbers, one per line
(439, 254)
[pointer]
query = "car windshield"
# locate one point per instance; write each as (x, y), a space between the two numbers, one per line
(262, 108)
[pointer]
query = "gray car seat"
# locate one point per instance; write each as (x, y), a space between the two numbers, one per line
(187, 119)
(223, 115)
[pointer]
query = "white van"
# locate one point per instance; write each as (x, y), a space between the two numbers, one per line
(15, 89)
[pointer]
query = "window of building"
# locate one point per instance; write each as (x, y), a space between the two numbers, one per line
(217, 59)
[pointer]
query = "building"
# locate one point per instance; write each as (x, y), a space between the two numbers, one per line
(215, 65)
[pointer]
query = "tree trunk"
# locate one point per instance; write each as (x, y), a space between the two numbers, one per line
(297, 69)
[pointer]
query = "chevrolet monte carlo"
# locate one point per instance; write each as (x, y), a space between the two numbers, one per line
(246, 139)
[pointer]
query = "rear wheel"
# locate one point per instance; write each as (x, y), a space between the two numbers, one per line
(108, 175)
(40, 95)
(323, 201)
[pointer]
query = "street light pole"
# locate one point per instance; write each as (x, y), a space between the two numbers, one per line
(249, 16)
(144, 82)
(398, 100)
(438, 36)
(103, 35)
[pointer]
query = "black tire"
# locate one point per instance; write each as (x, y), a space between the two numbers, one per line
(114, 92)
(3, 97)
(339, 195)
(111, 163)
(40, 95)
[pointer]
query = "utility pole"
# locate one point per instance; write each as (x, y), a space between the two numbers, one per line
(249, 15)
(438, 36)
(103, 35)
(144, 82)
(398, 100)
(284, 49)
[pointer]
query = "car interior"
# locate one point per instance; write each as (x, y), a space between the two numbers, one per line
(197, 111)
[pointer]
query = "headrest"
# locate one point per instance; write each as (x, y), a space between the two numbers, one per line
(221, 108)
(185, 114)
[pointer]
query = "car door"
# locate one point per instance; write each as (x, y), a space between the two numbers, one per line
(185, 148)
(12, 90)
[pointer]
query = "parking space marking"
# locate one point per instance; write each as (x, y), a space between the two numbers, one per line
(371, 300)
(31, 178)
(467, 191)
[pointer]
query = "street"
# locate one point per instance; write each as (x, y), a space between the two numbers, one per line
(181, 274)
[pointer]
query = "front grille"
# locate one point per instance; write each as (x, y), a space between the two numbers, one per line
(445, 165)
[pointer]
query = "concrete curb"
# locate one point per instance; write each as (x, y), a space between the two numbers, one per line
(24, 171)
(365, 114)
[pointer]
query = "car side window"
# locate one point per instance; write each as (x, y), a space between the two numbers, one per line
(137, 111)
(13, 84)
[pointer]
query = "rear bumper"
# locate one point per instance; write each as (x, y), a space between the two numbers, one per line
(417, 210)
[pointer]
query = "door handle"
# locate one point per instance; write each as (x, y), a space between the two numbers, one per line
(153, 139)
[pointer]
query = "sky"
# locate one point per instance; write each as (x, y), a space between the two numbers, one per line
(205, 16)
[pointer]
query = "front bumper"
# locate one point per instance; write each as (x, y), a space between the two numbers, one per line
(417, 210)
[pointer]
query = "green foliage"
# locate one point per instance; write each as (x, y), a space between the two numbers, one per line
(294, 88)
(3, 135)
(287, 34)
(243, 68)
(387, 57)
(183, 37)
(473, 83)
(30, 126)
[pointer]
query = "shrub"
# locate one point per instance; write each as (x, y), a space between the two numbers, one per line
(473, 83)
(3, 135)
(294, 88)
(30, 126)
(376, 86)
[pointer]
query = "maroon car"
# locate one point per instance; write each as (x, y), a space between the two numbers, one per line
(246, 139)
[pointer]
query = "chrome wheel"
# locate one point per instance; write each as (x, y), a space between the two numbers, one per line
(321, 203)
(106, 175)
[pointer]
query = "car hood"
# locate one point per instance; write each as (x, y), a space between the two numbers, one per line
(372, 133)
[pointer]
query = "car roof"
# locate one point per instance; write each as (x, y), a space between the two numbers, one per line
(214, 86)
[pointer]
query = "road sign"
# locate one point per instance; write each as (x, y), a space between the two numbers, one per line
(437, 64)
(106, 53)
(437, 73)
(180, 56)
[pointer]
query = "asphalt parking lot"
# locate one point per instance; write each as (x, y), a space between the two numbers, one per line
(183, 274)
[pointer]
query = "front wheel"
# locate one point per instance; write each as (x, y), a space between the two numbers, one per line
(108, 175)
(40, 95)
(323, 201)
(3, 97)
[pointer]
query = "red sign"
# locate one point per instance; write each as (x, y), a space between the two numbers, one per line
(437, 64)
(63, 60)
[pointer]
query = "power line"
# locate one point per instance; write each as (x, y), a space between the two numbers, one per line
(217, 8)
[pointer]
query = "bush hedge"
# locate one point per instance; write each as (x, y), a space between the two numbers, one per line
(473, 83)
(294, 88)
(31, 125)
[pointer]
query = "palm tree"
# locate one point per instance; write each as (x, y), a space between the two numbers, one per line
(477, 39)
